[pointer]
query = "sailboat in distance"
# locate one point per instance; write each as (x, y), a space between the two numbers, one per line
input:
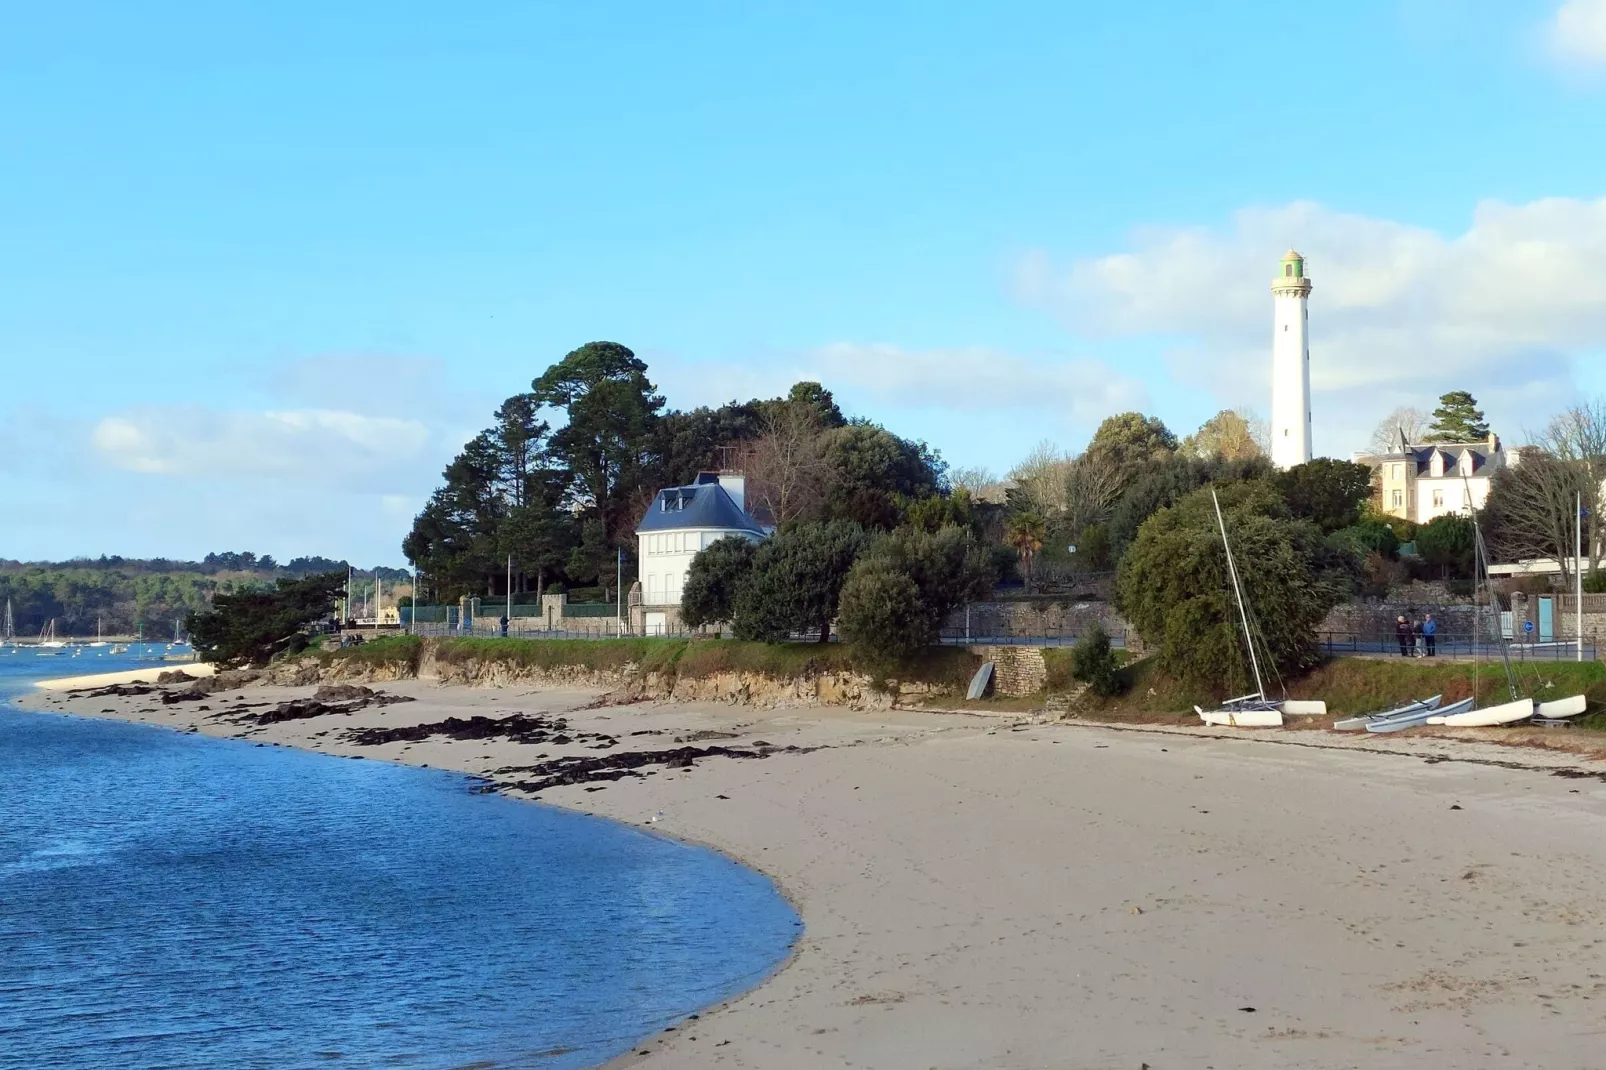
(47, 635)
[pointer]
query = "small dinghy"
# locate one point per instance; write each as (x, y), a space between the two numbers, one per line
(1561, 708)
(1355, 724)
(1413, 718)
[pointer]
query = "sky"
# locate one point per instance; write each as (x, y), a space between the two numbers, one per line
(264, 268)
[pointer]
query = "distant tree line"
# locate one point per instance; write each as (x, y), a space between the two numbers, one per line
(124, 596)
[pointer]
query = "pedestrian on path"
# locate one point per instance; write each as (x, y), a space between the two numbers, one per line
(1402, 632)
(1430, 635)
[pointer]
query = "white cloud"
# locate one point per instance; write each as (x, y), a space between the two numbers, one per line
(330, 447)
(1578, 31)
(1399, 312)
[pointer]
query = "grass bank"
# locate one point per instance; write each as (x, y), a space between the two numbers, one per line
(1349, 686)
(397, 652)
(942, 667)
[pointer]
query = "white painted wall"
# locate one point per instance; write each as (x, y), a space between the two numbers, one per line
(1449, 495)
(664, 557)
(1290, 380)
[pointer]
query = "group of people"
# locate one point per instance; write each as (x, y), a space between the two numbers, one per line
(1418, 638)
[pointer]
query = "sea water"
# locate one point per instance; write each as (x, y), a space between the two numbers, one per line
(169, 900)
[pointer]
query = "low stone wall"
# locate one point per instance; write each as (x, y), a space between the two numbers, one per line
(1368, 620)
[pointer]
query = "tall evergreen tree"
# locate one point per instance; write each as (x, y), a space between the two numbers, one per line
(1458, 419)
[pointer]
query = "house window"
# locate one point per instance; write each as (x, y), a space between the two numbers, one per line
(1438, 499)
(1399, 498)
(652, 588)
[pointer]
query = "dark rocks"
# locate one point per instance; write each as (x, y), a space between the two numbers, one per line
(356, 693)
(520, 728)
(328, 699)
(174, 676)
(580, 769)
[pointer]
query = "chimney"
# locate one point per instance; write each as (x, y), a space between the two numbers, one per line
(735, 485)
(1494, 443)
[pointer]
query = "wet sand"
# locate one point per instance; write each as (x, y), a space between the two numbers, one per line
(989, 893)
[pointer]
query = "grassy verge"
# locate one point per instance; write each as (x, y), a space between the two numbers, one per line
(696, 658)
(1354, 686)
(399, 651)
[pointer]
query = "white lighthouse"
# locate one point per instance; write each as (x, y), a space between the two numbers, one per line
(1290, 364)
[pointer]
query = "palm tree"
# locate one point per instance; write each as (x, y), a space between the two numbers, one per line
(1025, 533)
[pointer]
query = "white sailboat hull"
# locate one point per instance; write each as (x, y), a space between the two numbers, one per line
(1562, 707)
(1241, 718)
(1505, 713)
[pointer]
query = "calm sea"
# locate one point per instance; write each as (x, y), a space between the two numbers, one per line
(168, 900)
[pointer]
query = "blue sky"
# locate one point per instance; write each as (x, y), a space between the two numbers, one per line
(267, 266)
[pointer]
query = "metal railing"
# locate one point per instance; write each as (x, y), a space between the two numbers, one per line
(1453, 646)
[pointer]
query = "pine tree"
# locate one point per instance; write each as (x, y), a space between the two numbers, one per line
(1458, 419)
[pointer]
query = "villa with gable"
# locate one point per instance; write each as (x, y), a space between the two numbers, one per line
(1420, 481)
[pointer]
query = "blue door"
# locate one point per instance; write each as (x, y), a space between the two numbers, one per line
(1547, 620)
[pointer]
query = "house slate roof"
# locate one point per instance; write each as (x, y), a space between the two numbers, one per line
(1422, 455)
(701, 505)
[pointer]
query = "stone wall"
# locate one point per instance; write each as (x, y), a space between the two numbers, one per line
(1371, 620)
(1017, 670)
(1036, 618)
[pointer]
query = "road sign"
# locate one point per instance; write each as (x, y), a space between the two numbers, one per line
(1527, 625)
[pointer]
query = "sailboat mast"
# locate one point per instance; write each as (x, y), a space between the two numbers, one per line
(1238, 592)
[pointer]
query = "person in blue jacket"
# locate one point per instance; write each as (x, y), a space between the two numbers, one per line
(1430, 635)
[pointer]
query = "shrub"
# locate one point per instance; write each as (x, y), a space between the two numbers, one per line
(714, 579)
(1175, 588)
(253, 626)
(1093, 662)
(881, 613)
(796, 581)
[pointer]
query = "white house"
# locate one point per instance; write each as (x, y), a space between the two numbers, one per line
(680, 522)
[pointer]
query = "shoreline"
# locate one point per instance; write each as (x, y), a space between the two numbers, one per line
(1083, 907)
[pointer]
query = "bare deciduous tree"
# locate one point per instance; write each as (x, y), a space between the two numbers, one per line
(974, 479)
(788, 475)
(1093, 484)
(1413, 422)
(1577, 438)
(1041, 480)
(1531, 508)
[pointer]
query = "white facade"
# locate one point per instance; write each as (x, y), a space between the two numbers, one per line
(680, 524)
(664, 558)
(1290, 364)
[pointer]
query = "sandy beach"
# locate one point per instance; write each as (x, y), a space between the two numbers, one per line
(983, 892)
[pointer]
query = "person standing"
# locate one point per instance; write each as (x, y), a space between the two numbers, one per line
(1430, 636)
(1416, 638)
(1402, 632)
(503, 623)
